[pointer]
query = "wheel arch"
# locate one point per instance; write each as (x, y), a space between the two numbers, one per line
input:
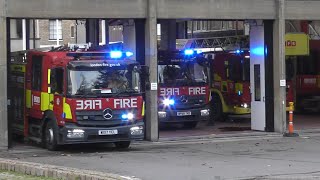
(48, 115)
(216, 92)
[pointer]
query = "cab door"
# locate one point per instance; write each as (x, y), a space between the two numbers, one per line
(56, 95)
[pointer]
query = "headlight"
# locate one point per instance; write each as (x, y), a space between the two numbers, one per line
(244, 105)
(205, 112)
(75, 133)
(136, 130)
(162, 114)
(168, 102)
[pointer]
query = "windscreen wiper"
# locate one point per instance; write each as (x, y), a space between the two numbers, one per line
(126, 91)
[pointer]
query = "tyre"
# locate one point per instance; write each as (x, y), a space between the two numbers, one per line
(216, 110)
(122, 145)
(190, 125)
(51, 136)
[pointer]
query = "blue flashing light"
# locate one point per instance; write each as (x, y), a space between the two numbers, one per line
(258, 51)
(128, 116)
(124, 116)
(128, 54)
(168, 102)
(115, 54)
(199, 51)
(188, 52)
(238, 51)
(239, 93)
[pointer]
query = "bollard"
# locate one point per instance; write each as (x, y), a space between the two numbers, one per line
(290, 132)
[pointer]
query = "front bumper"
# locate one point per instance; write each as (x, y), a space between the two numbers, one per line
(91, 134)
(186, 115)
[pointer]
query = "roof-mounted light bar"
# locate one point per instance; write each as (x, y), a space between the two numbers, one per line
(111, 54)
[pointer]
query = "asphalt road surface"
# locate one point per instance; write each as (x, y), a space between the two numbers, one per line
(246, 157)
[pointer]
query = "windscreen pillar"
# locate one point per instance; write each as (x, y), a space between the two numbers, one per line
(129, 37)
(92, 31)
(168, 34)
(151, 113)
(3, 78)
(279, 66)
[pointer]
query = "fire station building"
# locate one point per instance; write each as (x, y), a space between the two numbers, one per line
(266, 18)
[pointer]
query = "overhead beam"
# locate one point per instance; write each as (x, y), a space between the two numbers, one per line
(216, 9)
(302, 10)
(77, 8)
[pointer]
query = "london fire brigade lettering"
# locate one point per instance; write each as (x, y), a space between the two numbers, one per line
(35, 100)
(169, 91)
(197, 90)
(88, 104)
(125, 103)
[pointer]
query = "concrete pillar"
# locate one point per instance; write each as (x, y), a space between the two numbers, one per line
(3, 78)
(80, 31)
(168, 34)
(105, 31)
(152, 128)
(182, 30)
(129, 37)
(279, 66)
(92, 31)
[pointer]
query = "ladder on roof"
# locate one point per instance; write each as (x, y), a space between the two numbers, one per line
(226, 43)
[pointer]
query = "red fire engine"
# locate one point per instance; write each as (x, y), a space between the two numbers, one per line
(184, 87)
(62, 97)
(303, 73)
(231, 84)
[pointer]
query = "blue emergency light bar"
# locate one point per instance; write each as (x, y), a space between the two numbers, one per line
(111, 54)
(190, 52)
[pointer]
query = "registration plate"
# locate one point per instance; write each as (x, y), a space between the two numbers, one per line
(108, 132)
(188, 113)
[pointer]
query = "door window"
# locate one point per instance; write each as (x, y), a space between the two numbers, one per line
(36, 72)
(257, 83)
(56, 80)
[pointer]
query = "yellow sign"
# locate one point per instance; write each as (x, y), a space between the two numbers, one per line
(297, 44)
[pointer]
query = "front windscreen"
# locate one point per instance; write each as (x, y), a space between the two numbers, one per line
(183, 74)
(103, 81)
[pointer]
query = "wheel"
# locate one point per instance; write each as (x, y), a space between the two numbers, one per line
(50, 138)
(122, 145)
(190, 125)
(216, 113)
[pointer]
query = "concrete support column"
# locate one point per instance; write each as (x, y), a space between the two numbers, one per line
(279, 71)
(3, 79)
(92, 31)
(168, 34)
(129, 37)
(152, 128)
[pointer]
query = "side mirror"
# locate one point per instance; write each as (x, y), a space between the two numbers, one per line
(145, 73)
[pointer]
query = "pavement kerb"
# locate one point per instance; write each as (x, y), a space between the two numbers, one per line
(57, 172)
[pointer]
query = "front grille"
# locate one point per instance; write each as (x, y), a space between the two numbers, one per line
(98, 115)
(192, 102)
(95, 118)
